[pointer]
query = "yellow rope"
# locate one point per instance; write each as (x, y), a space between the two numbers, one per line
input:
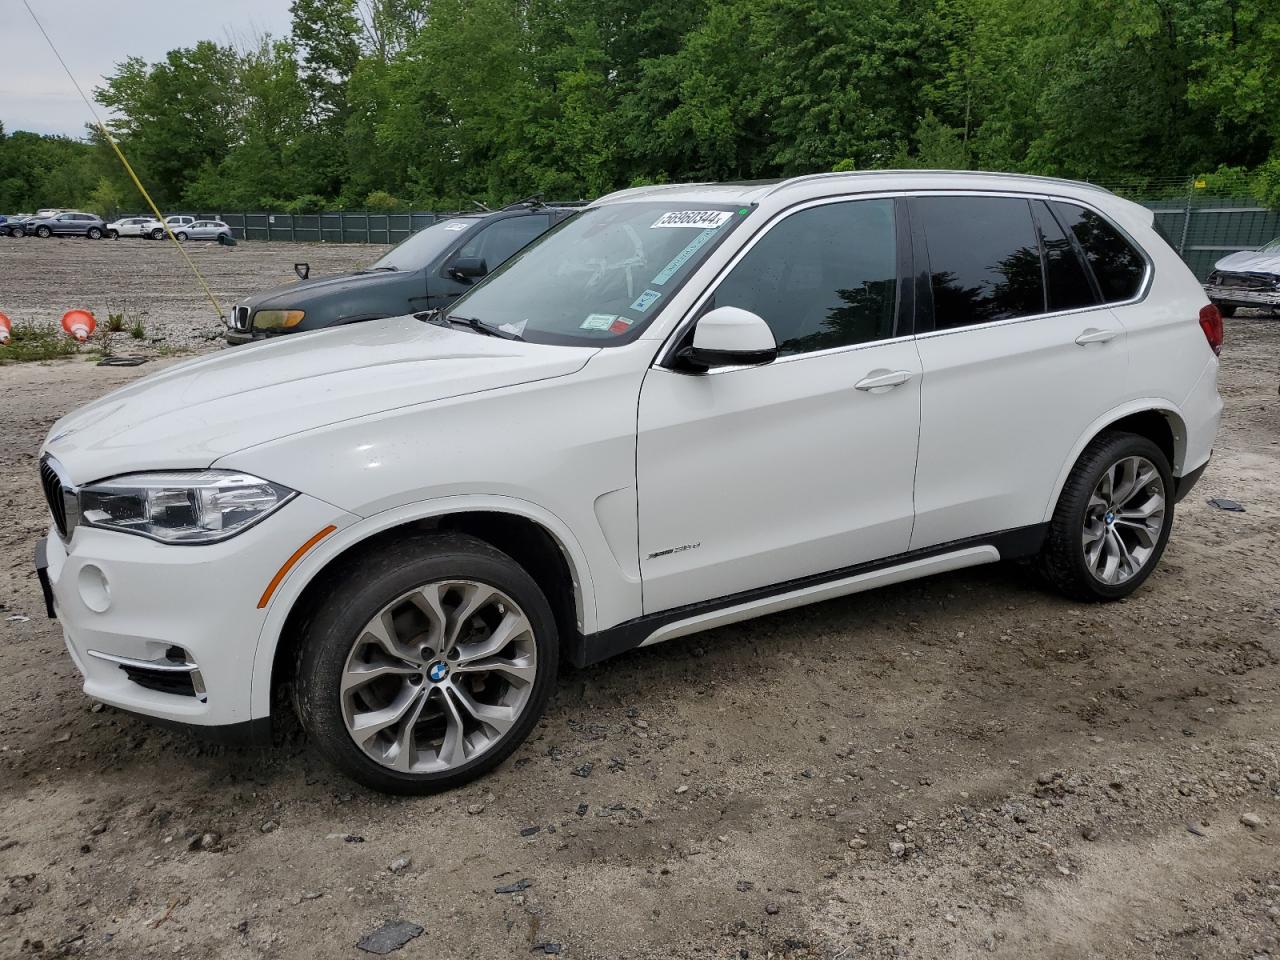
(132, 176)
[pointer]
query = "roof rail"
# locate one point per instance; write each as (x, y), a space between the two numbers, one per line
(806, 178)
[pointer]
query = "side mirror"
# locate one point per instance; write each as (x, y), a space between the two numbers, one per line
(468, 268)
(303, 270)
(730, 337)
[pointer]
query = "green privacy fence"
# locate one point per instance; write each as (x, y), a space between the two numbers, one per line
(1202, 228)
(335, 227)
(1205, 229)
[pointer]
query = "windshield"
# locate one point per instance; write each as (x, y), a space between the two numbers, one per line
(599, 278)
(424, 246)
(1272, 247)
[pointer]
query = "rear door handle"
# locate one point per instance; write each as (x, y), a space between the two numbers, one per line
(883, 380)
(1094, 335)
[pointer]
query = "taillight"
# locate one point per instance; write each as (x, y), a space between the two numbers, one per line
(1211, 324)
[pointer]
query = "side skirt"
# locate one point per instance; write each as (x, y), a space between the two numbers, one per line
(695, 617)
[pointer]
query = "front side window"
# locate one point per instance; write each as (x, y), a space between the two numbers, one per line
(824, 277)
(984, 259)
(1118, 267)
(497, 242)
(599, 278)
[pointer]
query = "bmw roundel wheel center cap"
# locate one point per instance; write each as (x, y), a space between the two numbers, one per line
(437, 671)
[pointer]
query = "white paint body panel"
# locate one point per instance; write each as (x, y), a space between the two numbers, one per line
(732, 465)
(778, 471)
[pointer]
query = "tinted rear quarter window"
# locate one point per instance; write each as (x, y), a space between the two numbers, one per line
(1118, 267)
(1069, 284)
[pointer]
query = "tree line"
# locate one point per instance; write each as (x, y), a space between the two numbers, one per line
(432, 104)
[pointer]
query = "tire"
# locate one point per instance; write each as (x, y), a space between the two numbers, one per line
(94, 233)
(113, 234)
(44, 233)
(17, 233)
(181, 235)
(1226, 311)
(157, 234)
(1064, 561)
(337, 645)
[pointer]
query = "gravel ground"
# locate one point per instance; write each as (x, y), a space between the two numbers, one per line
(149, 280)
(964, 766)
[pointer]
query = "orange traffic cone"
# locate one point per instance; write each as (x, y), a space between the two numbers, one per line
(78, 324)
(5, 326)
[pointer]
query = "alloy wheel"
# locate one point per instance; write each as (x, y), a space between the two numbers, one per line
(438, 676)
(1123, 520)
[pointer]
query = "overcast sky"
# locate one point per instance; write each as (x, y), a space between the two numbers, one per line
(94, 35)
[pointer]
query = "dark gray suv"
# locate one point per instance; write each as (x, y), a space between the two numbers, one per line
(429, 270)
(71, 224)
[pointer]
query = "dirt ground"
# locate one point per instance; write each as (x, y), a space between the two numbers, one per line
(959, 767)
(148, 280)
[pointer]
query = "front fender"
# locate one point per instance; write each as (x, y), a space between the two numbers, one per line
(297, 579)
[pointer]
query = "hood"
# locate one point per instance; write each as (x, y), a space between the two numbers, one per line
(1250, 261)
(193, 413)
(297, 295)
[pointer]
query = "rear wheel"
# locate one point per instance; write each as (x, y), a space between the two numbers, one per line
(94, 233)
(428, 665)
(1112, 521)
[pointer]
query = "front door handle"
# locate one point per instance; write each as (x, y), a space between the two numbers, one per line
(882, 380)
(1094, 335)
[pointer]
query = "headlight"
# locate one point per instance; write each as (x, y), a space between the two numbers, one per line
(184, 506)
(277, 319)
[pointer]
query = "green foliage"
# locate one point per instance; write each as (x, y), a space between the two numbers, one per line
(382, 202)
(138, 330)
(30, 341)
(374, 102)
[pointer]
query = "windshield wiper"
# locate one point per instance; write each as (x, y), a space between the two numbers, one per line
(479, 326)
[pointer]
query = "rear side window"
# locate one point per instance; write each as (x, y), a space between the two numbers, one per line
(984, 259)
(1069, 285)
(499, 241)
(824, 277)
(1118, 267)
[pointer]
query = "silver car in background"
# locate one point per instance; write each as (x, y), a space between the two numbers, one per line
(203, 230)
(1250, 278)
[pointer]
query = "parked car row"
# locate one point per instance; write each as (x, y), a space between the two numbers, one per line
(678, 408)
(75, 223)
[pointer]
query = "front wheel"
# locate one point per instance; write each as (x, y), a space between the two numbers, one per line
(428, 665)
(181, 236)
(1112, 521)
(44, 233)
(17, 233)
(157, 234)
(113, 234)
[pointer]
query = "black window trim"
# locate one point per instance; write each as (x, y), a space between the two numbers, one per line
(905, 310)
(1081, 259)
(926, 316)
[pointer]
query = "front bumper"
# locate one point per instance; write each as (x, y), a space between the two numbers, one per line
(171, 632)
(1242, 296)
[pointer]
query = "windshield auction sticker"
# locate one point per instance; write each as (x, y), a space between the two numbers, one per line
(698, 219)
(681, 258)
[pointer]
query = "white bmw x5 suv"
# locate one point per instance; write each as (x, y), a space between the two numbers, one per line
(686, 406)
